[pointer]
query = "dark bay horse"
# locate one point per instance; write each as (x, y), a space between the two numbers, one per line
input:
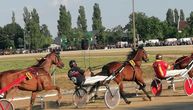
(128, 71)
(40, 77)
(182, 63)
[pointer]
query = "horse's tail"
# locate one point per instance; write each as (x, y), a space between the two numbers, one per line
(179, 61)
(104, 71)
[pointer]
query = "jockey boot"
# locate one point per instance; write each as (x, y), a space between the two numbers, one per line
(124, 97)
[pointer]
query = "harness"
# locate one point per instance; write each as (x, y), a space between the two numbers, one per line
(121, 68)
(33, 71)
(132, 63)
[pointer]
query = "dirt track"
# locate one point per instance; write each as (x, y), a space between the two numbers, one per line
(169, 100)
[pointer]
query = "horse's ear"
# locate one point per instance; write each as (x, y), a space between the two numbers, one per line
(55, 51)
(38, 59)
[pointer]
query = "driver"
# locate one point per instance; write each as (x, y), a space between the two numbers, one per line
(162, 68)
(77, 76)
(75, 73)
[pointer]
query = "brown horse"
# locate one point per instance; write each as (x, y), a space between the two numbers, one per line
(128, 71)
(182, 63)
(40, 77)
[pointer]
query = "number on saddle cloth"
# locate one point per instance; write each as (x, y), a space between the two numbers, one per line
(28, 75)
(132, 63)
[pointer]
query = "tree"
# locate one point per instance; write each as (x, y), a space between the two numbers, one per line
(46, 37)
(14, 33)
(34, 34)
(182, 17)
(13, 17)
(64, 22)
(97, 25)
(35, 30)
(97, 21)
(64, 25)
(170, 17)
(81, 22)
(176, 16)
(26, 18)
(190, 23)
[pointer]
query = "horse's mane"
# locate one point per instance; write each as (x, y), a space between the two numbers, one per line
(131, 54)
(42, 60)
(39, 62)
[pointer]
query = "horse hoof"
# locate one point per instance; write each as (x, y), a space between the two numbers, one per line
(128, 102)
(144, 99)
(149, 98)
(58, 102)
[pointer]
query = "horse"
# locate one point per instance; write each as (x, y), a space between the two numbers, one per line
(183, 62)
(39, 74)
(128, 71)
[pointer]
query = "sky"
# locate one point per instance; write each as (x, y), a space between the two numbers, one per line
(113, 12)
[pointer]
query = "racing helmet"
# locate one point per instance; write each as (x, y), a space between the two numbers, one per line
(158, 57)
(72, 63)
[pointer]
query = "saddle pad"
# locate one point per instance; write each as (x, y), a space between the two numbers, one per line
(94, 79)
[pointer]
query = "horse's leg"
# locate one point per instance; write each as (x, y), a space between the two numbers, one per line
(33, 96)
(58, 90)
(142, 87)
(122, 93)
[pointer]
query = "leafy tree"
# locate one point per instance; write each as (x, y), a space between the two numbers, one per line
(13, 17)
(64, 22)
(35, 30)
(190, 23)
(182, 17)
(27, 20)
(64, 25)
(170, 17)
(14, 33)
(176, 16)
(4, 41)
(97, 21)
(46, 37)
(97, 25)
(37, 37)
(81, 22)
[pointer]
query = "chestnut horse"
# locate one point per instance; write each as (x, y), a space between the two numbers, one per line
(128, 71)
(39, 77)
(182, 63)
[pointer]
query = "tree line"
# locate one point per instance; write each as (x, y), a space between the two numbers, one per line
(36, 36)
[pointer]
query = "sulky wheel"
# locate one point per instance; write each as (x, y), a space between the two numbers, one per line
(188, 86)
(112, 98)
(156, 87)
(80, 97)
(6, 105)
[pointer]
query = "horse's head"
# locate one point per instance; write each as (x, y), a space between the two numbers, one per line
(54, 56)
(141, 54)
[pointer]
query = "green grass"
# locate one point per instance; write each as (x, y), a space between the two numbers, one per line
(92, 60)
